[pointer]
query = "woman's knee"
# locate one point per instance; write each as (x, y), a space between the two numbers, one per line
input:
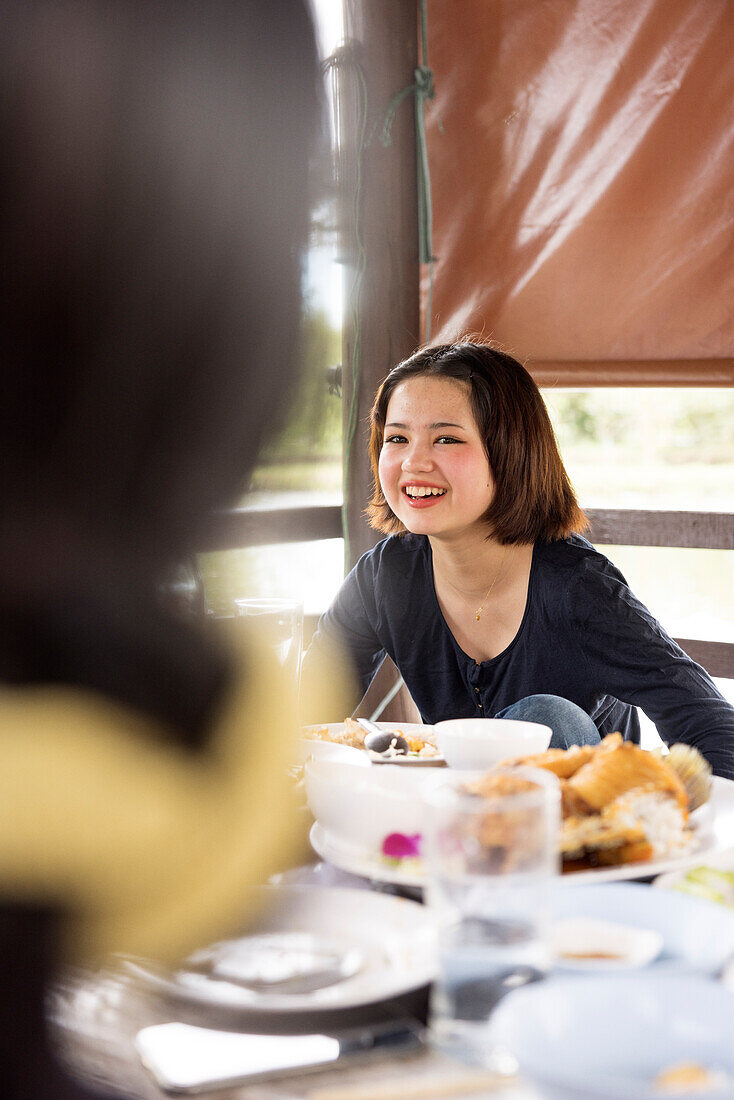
(570, 725)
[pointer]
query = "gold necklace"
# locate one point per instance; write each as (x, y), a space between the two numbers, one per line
(478, 612)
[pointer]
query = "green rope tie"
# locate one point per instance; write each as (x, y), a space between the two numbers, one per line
(422, 89)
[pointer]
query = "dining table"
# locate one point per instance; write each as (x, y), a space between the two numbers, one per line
(96, 1014)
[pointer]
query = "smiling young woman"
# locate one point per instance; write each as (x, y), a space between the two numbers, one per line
(485, 594)
(436, 419)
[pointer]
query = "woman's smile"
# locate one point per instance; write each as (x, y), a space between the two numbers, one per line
(423, 496)
(434, 470)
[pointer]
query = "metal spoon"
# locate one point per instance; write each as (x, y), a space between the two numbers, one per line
(370, 727)
(381, 741)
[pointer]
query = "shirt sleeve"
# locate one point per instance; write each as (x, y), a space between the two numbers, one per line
(148, 849)
(346, 643)
(627, 654)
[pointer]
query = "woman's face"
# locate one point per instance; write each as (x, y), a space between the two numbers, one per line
(433, 466)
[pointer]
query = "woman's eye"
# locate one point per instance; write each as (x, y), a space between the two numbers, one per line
(447, 439)
(394, 439)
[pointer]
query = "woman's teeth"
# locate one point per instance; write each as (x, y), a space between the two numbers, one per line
(423, 491)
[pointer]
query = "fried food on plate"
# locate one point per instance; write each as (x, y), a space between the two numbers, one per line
(609, 774)
(639, 825)
(693, 770)
(588, 842)
(622, 804)
(562, 762)
(498, 785)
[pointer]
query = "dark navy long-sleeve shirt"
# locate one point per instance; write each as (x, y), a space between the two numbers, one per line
(584, 636)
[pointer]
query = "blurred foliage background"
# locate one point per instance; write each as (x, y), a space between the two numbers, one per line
(306, 455)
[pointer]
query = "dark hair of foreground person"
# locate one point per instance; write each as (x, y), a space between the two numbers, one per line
(153, 216)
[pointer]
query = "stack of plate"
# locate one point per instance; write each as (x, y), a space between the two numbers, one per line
(388, 946)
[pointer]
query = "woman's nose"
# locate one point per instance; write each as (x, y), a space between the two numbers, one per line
(417, 457)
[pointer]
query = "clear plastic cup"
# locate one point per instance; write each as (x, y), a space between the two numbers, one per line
(278, 623)
(491, 860)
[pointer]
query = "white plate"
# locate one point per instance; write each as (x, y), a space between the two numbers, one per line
(408, 761)
(722, 860)
(606, 1037)
(714, 829)
(348, 858)
(415, 729)
(696, 935)
(397, 939)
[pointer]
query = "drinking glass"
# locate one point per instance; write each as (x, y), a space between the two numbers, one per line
(279, 622)
(491, 861)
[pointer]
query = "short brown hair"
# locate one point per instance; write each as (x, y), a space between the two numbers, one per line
(534, 500)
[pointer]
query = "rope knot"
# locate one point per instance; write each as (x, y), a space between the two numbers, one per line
(424, 82)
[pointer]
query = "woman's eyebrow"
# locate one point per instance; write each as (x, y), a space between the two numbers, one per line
(432, 427)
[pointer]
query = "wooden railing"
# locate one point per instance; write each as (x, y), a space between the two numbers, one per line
(241, 527)
(620, 527)
(690, 530)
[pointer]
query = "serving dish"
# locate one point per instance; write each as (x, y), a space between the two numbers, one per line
(329, 750)
(713, 823)
(363, 805)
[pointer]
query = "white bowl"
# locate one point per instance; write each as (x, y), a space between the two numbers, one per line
(483, 742)
(609, 1036)
(361, 806)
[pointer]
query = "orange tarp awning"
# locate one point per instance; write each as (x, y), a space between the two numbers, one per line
(582, 184)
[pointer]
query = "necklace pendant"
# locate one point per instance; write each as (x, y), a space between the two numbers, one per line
(477, 616)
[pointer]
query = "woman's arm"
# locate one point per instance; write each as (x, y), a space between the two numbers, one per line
(627, 654)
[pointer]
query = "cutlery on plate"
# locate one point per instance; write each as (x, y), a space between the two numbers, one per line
(381, 741)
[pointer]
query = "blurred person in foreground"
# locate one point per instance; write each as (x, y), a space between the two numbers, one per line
(153, 213)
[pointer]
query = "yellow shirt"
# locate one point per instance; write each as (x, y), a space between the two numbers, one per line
(150, 848)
